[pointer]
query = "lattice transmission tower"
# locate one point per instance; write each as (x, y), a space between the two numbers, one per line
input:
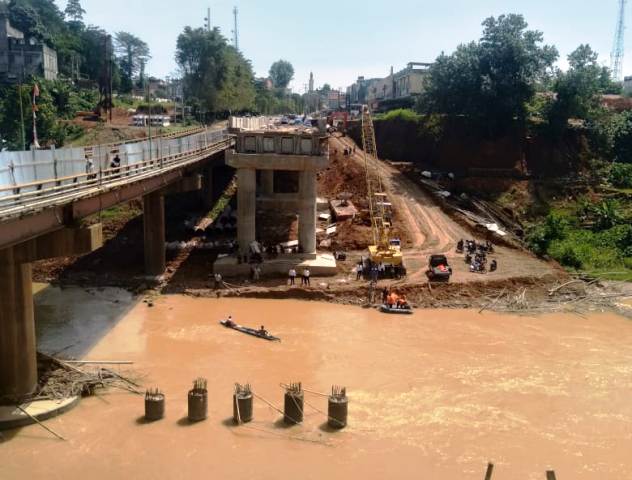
(235, 29)
(616, 57)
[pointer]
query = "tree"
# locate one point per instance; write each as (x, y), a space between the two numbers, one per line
(578, 88)
(216, 76)
(132, 54)
(491, 81)
(622, 137)
(74, 11)
(281, 73)
(326, 88)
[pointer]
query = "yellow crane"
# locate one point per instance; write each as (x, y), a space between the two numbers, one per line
(384, 249)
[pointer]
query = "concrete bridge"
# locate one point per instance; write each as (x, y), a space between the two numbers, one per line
(45, 193)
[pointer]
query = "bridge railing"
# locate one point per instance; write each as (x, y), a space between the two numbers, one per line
(137, 160)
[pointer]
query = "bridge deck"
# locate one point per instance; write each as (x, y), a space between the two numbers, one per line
(41, 208)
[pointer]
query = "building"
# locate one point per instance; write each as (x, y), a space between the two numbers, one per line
(334, 99)
(627, 85)
(397, 89)
(410, 81)
(22, 57)
(357, 93)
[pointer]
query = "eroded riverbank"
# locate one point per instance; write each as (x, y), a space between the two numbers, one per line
(437, 393)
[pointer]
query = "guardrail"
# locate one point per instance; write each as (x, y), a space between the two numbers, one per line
(59, 190)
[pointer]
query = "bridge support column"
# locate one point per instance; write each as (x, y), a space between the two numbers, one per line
(307, 211)
(207, 192)
(154, 231)
(246, 208)
(18, 361)
(267, 182)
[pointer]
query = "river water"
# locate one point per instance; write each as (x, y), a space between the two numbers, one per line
(432, 395)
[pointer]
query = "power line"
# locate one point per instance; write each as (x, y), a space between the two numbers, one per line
(616, 57)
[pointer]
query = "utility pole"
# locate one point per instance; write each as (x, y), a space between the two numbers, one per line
(616, 57)
(235, 29)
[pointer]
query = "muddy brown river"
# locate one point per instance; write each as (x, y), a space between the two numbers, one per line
(434, 395)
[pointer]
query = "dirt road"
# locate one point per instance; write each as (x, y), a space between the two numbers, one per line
(434, 232)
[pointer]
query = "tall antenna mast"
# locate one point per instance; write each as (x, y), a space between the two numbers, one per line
(616, 57)
(235, 29)
(207, 19)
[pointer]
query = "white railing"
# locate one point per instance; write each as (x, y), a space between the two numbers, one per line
(71, 179)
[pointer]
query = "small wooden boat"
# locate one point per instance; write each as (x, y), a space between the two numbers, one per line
(400, 311)
(250, 331)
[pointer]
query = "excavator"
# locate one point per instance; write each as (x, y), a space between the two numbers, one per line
(384, 249)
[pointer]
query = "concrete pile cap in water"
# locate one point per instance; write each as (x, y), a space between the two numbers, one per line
(154, 404)
(242, 403)
(337, 407)
(293, 403)
(198, 400)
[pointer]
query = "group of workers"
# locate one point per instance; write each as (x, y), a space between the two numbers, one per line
(304, 277)
(115, 166)
(476, 255)
(394, 300)
(367, 270)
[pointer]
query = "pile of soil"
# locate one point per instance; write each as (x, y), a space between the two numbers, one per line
(342, 175)
(345, 174)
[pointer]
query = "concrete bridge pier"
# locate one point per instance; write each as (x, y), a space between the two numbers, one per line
(267, 182)
(18, 356)
(18, 361)
(208, 194)
(246, 207)
(307, 211)
(154, 233)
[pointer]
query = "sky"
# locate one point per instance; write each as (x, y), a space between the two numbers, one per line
(341, 39)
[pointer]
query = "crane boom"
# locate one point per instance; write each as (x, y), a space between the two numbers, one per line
(383, 249)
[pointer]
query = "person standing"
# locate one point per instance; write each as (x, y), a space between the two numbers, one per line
(358, 271)
(292, 276)
(374, 273)
(90, 169)
(306, 277)
(115, 165)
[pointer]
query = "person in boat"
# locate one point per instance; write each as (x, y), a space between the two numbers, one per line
(459, 246)
(402, 302)
(262, 331)
(229, 322)
(392, 300)
(384, 295)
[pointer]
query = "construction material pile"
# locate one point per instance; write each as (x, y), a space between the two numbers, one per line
(59, 379)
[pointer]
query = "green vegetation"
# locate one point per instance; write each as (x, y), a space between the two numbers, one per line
(503, 85)
(132, 54)
(281, 73)
(490, 81)
(621, 175)
(401, 114)
(594, 238)
(57, 103)
(217, 77)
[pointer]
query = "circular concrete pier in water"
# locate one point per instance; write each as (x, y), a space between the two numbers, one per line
(12, 417)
